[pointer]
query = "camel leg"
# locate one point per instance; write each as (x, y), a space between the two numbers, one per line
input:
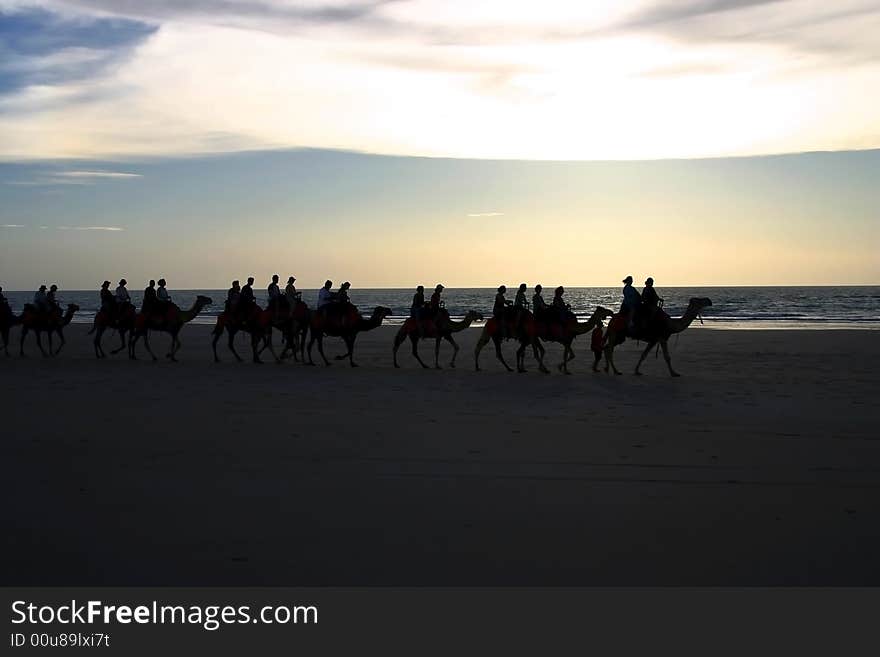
(665, 347)
(455, 348)
(267, 344)
(231, 344)
(312, 340)
(99, 353)
(644, 355)
(499, 355)
(349, 342)
(148, 347)
(6, 342)
(437, 353)
(567, 355)
(255, 348)
(398, 340)
(609, 360)
(24, 332)
(175, 345)
(40, 343)
(49, 337)
(321, 351)
(414, 340)
(121, 342)
(215, 336)
(539, 351)
(482, 342)
(521, 357)
(63, 342)
(172, 348)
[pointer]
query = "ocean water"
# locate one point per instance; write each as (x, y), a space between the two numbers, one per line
(732, 307)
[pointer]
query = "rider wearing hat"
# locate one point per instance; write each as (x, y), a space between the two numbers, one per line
(122, 295)
(108, 301)
(290, 293)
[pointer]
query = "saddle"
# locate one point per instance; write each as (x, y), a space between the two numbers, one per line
(34, 314)
(342, 315)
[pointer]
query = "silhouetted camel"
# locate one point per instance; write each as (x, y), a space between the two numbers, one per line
(124, 323)
(295, 331)
(440, 328)
(525, 332)
(659, 329)
(258, 324)
(171, 322)
(553, 330)
(342, 323)
(43, 322)
(7, 321)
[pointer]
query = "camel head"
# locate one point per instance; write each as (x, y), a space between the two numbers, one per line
(474, 316)
(72, 308)
(381, 311)
(696, 306)
(602, 313)
(202, 301)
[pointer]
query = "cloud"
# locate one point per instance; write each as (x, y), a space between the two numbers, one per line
(486, 214)
(98, 174)
(664, 13)
(39, 47)
(53, 178)
(266, 14)
(560, 80)
(11, 225)
(107, 228)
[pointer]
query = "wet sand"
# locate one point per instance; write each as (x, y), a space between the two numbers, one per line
(761, 465)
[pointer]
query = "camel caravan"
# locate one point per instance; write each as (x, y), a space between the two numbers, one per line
(529, 324)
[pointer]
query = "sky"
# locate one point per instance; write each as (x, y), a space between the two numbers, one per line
(392, 142)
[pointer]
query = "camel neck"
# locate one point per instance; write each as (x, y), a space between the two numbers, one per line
(679, 324)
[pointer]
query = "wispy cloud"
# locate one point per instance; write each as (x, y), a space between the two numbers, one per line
(486, 214)
(107, 228)
(98, 174)
(50, 178)
(11, 225)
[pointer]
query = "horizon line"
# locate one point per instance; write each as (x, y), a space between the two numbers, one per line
(149, 158)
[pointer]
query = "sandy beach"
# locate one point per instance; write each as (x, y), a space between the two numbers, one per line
(760, 466)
